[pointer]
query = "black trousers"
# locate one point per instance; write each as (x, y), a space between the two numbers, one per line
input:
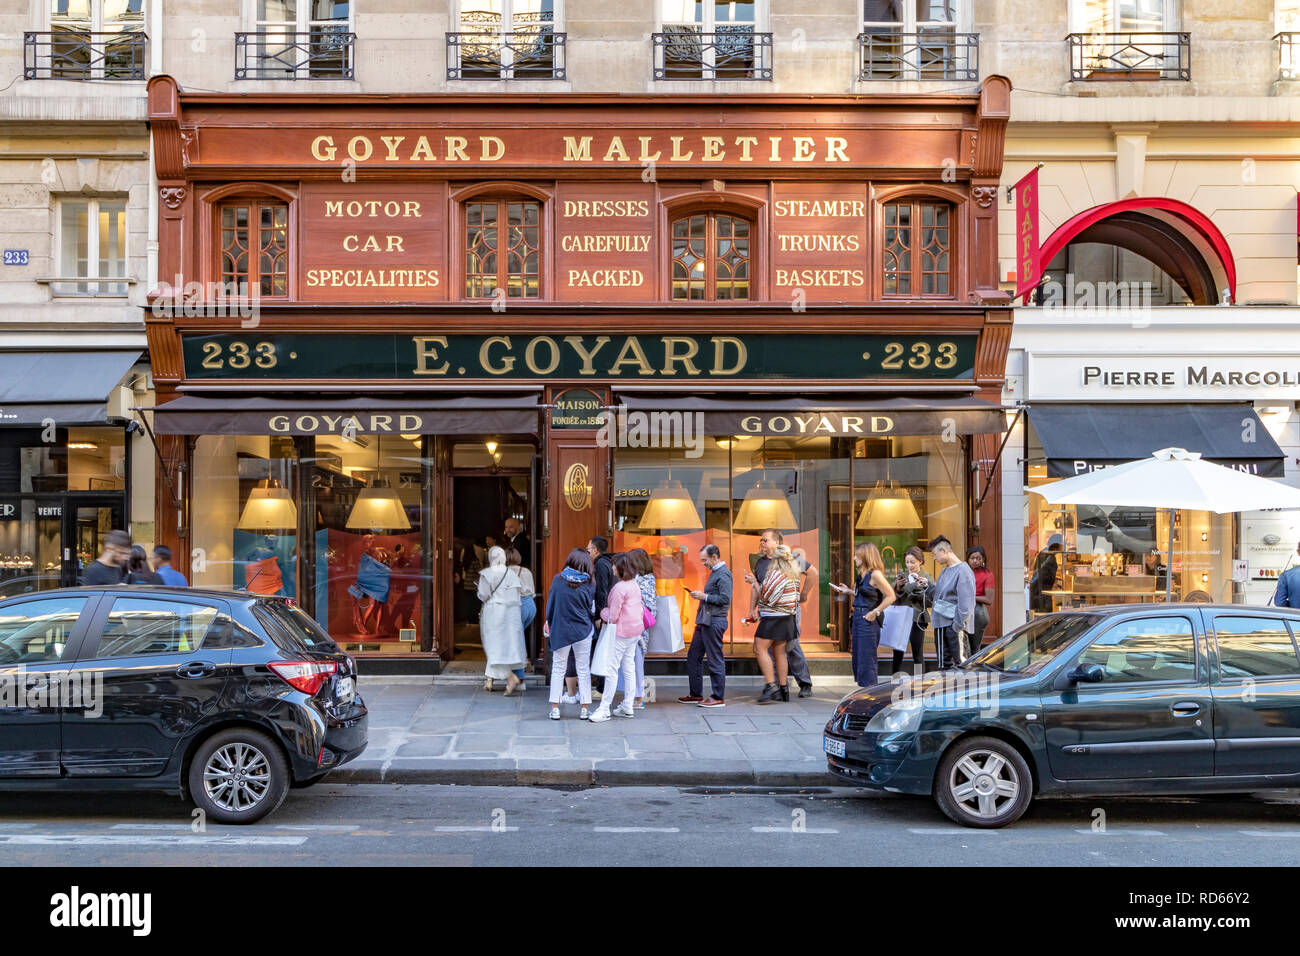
(949, 646)
(917, 640)
(706, 642)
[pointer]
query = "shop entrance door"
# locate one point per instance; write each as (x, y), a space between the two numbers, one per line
(86, 520)
(486, 506)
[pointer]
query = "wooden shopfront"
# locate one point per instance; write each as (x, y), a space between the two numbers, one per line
(477, 312)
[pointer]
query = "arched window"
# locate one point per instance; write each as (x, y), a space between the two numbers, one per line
(253, 246)
(711, 256)
(502, 248)
(917, 247)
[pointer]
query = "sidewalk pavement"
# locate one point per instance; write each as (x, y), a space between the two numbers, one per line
(450, 731)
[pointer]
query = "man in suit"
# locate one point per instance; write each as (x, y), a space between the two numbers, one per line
(710, 625)
(1288, 586)
(514, 537)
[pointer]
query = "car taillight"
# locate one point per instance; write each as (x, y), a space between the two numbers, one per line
(306, 676)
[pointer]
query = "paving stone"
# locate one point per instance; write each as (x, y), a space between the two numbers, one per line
(597, 747)
(469, 743)
(425, 745)
(730, 723)
(810, 744)
(783, 724)
(660, 743)
(769, 747)
(544, 727)
(713, 747)
(689, 724)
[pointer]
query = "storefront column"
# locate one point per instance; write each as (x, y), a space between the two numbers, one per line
(575, 501)
(171, 522)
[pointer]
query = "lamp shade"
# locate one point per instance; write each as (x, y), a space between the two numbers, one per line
(670, 509)
(378, 508)
(269, 509)
(765, 506)
(888, 509)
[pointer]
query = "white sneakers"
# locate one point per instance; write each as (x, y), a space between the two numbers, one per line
(568, 698)
(600, 715)
(555, 713)
(624, 710)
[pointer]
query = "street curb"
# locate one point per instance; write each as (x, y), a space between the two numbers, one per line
(496, 775)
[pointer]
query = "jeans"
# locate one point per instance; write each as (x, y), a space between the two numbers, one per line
(560, 658)
(981, 623)
(866, 642)
(917, 640)
(707, 642)
(948, 645)
(625, 663)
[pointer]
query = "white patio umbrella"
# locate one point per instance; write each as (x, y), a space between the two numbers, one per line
(1172, 478)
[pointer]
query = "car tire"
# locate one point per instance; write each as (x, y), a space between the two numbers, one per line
(238, 776)
(983, 782)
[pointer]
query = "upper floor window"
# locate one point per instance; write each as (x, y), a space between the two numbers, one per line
(502, 239)
(917, 245)
(918, 39)
(711, 257)
(713, 40)
(507, 39)
(288, 39)
(89, 40)
(1128, 39)
(92, 246)
(253, 247)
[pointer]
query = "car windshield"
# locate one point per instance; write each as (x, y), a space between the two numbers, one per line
(289, 623)
(1028, 649)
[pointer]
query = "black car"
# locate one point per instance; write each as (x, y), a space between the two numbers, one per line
(223, 697)
(1132, 699)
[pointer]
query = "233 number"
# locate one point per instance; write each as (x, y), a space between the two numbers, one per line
(943, 356)
(238, 355)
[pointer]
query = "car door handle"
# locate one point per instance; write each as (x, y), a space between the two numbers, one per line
(192, 670)
(1185, 708)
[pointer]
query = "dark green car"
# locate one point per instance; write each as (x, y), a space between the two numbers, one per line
(1133, 700)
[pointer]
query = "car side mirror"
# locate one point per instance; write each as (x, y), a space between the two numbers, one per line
(1088, 674)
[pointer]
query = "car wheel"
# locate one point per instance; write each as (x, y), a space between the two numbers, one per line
(238, 776)
(983, 782)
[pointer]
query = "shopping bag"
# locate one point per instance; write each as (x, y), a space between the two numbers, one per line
(666, 636)
(897, 626)
(602, 656)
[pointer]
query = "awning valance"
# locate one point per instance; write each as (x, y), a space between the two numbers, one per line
(68, 387)
(502, 413)
(832, 415)
(1082, 438)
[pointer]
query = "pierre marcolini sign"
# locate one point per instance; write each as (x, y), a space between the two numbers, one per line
(1203, 376)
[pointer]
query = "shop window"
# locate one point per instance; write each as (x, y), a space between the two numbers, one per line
(917, 248)
(1254, 647)
(502, 249)
(92, 247)
(253, 248)
(711, 257)
(1149, 649)
(79, 459)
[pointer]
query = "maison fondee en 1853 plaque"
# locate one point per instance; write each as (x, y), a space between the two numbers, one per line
(437, 356)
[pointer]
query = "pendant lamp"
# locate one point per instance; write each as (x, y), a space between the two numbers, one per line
(378, 508)
(670, 508)
(765, 506)
(888, 508)
(269, 509)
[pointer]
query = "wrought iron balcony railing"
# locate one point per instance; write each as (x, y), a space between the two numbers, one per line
(1130, 56)
(79, 55)
(527, 55)
(322, 53)
(933, 54)
(1288, 56)
(737, 53)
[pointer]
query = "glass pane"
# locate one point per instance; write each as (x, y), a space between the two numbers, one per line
(71, 13)
(139, 626)
(75, 230)
(1254, 647)
(38, 631)
(1150, 649)
(882, 11)
(683, 11)
(278, 11)
(936, 11)
(733, 11)
(31, 546)
(112, 240)
(329, 10)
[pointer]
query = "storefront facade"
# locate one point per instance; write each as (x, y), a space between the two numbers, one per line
(1096, 388)
(665, 322)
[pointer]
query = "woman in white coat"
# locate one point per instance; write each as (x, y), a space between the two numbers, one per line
(499, 622)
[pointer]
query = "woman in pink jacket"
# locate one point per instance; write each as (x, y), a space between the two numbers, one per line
(626, 613)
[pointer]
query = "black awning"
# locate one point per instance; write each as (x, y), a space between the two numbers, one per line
(72, 388)
(504, 413)
(1082, 438)
(834, 415)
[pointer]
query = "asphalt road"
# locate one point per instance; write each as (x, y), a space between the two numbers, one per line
(391, 825)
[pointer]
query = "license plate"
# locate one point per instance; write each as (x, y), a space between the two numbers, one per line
(833, 747)
(346, 690)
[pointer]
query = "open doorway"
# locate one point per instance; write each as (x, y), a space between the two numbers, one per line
(488, 507)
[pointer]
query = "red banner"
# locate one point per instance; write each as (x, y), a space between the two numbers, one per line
(1028, 266)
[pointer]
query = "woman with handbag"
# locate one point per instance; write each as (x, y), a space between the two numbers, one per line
(778, 600)
(500, 625)
(871, 595)
(570, 607)
(645, 581)
(625, 613)
(910, 586)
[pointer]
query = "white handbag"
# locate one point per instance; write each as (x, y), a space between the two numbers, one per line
(666, 636)
(897, 626)
(602, 655)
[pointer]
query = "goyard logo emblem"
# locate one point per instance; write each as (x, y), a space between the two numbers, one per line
(576, 490)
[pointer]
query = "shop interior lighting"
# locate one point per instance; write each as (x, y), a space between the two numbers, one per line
(269, 508)
(888, 507)
(670, 508)
(765, 506)
(378, 508)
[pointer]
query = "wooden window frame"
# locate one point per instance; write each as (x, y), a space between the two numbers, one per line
(502, 200)
(255, 204)
(711, 216)
(956, 275)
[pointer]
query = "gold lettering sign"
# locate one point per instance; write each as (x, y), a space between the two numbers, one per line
(577, 492)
